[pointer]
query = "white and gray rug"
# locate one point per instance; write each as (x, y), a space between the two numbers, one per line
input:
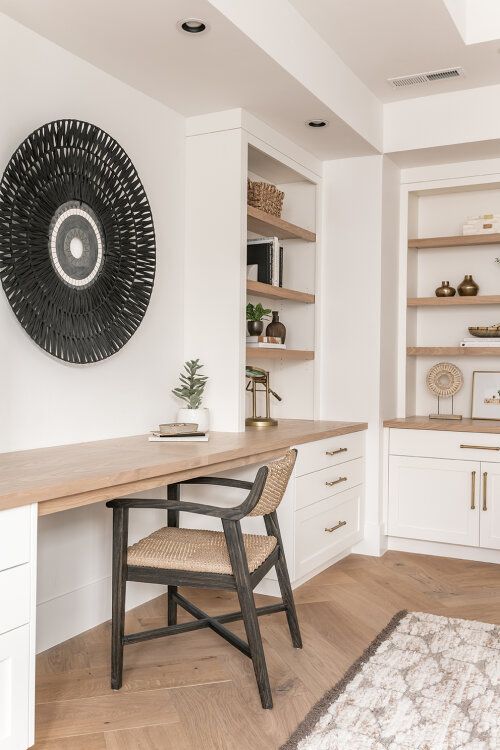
(425, 683)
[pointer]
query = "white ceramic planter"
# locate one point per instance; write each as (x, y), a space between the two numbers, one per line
(201, 417)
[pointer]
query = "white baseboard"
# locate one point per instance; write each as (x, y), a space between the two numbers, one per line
(443, 550)
(373, 542)
(77, 611)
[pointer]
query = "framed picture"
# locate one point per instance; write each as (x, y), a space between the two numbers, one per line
(486, 395)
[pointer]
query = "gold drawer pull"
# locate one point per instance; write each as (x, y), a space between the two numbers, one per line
(339, 450)
(473, 491)
(485, 490)
(336, 481)
(337, 526)
(482, 447)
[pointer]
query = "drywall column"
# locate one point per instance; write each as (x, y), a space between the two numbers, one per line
(361, 214)
(214, 262)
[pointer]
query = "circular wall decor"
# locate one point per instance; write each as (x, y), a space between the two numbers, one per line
(444, 379)
(77, 241)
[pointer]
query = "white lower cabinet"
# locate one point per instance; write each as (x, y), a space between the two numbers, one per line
(14, 689)
(489, 530)
(434, 499)
(448, 497)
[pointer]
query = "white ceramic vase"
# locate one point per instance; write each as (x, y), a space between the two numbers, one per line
(201, 417)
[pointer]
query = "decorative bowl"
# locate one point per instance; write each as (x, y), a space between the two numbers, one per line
(178, 428)
(485, 332)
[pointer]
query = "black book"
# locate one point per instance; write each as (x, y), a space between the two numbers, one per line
(261, 253)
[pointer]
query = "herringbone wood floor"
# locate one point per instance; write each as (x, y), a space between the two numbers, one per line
(195, 691)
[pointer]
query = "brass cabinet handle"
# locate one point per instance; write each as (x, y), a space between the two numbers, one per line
(336, 481)
(337, 526)
(482, 447)
(485, 490)
(339, 450)
(473, 491)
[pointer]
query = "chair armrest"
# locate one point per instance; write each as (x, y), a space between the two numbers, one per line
(221, 481)
(215, 511)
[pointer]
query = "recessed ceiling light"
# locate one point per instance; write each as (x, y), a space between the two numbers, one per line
(192, 26)
(317, 123)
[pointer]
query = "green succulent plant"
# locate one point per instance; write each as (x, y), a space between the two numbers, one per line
(192, 384)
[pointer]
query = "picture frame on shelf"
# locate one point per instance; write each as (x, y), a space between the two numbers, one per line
(486, 394)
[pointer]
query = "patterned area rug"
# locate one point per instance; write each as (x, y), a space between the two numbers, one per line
(425, 683)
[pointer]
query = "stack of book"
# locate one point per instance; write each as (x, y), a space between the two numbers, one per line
(267, 254)
(157, 436)
(473, 341)
(265, 342)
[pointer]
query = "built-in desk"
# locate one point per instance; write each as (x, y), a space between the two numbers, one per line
(324, 504)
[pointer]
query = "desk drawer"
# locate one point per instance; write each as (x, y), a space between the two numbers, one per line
(329, 452)
(14, 597)
(15, 527)
(465, 446)
(315, 544)
(327, 482)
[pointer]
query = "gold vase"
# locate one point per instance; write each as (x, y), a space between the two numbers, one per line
(468, 287)
(445, 290)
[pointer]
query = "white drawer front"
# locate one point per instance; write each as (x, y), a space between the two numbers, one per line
(324, 453)
(14, 598)
(466, 446)
(327, 482)
(326, 529)
(15, 526)
(14, 689)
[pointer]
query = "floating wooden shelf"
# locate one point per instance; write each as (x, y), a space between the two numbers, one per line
(460, 241)
(485, 299)
(254, 352)
(453, 351)
(268, 225)
(258, 289)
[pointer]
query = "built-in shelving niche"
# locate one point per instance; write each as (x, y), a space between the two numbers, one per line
(292, 369)
(436, 252)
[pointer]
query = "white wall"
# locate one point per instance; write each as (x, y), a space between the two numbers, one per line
(48, 402)
(361, 214)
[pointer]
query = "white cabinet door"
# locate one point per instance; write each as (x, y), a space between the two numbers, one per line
(434, 499)
(489, 529)
(14, 689)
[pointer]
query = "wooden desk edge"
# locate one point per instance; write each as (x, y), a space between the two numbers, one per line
(55, 503)
(442, 425)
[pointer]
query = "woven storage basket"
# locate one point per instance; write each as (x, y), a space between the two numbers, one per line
(266, 197)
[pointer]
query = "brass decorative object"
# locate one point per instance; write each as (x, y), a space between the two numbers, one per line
(445, 290)
(468, 287)
(258, 377)
(444, 380)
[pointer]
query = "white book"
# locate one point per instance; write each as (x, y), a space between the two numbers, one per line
(275, 279)
(260, 345)
(157, 439)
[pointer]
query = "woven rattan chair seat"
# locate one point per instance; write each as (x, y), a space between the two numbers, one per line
(196, 550)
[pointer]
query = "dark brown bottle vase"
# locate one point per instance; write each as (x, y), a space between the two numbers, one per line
(468, 287)
(445, 290)
(276, 327)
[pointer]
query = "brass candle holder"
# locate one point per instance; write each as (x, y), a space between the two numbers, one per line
(258, 377)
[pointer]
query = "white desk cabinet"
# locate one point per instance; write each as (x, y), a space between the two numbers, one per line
(17, 626)
(444, 487)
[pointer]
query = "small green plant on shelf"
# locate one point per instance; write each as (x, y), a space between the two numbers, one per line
(257, 312)
(192, 384)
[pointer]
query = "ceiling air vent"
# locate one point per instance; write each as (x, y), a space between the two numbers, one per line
(433, 75)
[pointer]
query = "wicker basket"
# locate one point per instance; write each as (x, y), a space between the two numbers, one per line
(266, 197)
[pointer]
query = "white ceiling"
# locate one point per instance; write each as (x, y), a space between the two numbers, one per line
(381, 39)
(139, 43)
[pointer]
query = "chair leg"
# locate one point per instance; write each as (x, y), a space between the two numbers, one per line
(119, 583)
(173, 493)
(234, 539)
(273, 529)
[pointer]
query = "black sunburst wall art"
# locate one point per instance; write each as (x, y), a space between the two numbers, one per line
(77, 241)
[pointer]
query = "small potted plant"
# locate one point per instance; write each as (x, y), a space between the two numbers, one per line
(255, 318)
(191, 392)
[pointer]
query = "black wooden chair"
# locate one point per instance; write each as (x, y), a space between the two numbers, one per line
(225, 559)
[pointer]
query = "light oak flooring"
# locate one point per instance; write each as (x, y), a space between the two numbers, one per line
(194, 691)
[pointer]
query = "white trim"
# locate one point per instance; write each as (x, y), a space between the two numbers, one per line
(440, 549)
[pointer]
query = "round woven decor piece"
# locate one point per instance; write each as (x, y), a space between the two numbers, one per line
(444, 379)
(77, 241)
